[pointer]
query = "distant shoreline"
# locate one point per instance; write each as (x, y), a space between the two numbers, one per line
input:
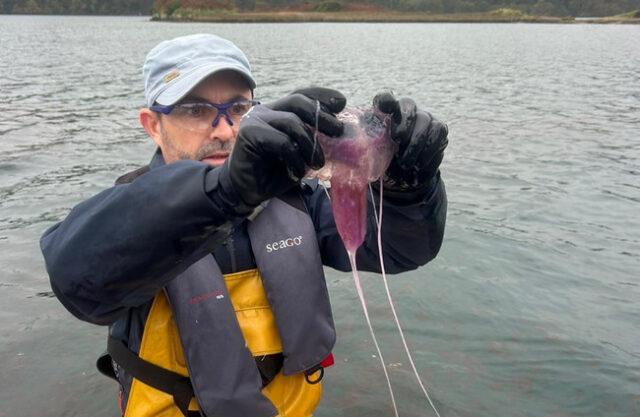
(226, 16)
(216, 16)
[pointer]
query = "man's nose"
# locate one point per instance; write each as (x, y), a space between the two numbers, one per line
(223, 130)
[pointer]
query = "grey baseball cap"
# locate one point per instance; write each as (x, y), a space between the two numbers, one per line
(175, 67)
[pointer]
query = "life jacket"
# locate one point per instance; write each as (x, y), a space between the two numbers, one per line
(204, 330)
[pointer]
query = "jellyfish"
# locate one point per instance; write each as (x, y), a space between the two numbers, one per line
(360, 156)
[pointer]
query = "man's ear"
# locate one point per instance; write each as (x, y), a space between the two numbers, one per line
(150, 121)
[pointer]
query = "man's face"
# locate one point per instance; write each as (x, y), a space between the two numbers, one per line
(214, 144)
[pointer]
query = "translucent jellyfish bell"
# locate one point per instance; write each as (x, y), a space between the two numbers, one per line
(361, 155)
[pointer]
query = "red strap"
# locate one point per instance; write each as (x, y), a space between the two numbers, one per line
(120, 405)
(328, 361)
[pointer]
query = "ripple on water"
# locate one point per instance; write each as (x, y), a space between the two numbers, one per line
(530, 308)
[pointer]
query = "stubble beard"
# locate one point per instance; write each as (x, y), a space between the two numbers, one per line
(205, 150)
(210, 148)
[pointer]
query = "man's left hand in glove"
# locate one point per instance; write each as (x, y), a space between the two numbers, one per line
(421, 141)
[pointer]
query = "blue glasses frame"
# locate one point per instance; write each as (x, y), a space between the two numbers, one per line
(222, 109)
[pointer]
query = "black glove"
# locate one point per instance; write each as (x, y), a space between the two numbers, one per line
(421, 142)
(304, 103)
(275, 146)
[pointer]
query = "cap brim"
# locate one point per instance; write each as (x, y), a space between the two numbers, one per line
(181, 86)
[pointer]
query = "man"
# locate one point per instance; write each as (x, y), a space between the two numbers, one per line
(208, 264)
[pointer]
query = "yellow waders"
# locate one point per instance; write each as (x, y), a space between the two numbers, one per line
(291, 395)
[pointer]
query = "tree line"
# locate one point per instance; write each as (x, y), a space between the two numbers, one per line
(109, 7)
(575, 8)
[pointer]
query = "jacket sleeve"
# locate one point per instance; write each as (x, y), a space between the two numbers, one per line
(117, 249)
(411, 233)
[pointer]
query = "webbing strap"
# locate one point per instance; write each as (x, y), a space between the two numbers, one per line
(174, 384)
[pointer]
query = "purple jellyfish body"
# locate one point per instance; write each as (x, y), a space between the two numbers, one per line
(361, 155)
(354, 160)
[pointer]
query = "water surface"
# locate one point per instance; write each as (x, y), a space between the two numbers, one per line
(532, 307)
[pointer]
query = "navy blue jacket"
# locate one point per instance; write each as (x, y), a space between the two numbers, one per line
(115, 251)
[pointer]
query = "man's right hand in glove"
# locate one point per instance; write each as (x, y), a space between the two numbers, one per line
(275, 146)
